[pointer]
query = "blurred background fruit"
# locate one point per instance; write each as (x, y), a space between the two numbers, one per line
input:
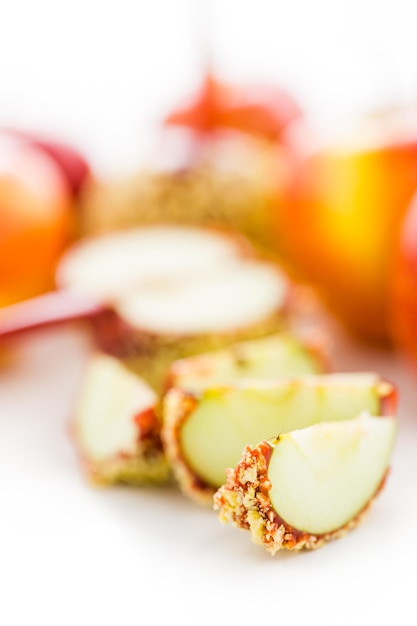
(73, 165)
(404, 290)
(39, 183)
(342, 219)
(254, 109)
(224, 159)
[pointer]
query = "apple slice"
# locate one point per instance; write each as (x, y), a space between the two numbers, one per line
(241, 300)
(205, 432)
(115, 425)
(179, 291)
(306, 487)
(109, 266)
(281, 354)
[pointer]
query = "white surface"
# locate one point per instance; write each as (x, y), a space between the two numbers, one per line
(73, 554)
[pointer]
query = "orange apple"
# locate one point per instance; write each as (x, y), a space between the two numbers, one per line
(36, 213)
(341, 222)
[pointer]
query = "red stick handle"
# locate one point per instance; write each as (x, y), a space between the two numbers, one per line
(51, 309)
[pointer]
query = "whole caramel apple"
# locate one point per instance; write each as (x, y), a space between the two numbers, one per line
(224, 160)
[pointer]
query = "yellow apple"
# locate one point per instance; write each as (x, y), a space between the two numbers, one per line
(341, 221)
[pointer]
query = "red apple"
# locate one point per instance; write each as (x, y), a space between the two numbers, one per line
(73, 165)
(36, 219)
(258, 110)
(403, 302)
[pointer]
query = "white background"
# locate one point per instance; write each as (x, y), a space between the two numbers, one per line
(74, 554)
(101, 74)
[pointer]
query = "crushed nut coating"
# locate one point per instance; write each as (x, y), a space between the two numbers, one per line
(146, 465)
(244, 502)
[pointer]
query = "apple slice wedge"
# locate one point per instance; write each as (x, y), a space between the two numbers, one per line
(307, 487)
(280, 354)
(115, 426)
(205, 432)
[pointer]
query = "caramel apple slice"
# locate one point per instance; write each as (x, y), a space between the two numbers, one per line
(280, 354)
(115, 426)
(177, 291)
(93, 273)
(205, 432)
(309, 486)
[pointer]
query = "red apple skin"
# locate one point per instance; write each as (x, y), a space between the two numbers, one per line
(73, 165)
(260, 110)
(403, 302)
(36, 220)
(341, 221)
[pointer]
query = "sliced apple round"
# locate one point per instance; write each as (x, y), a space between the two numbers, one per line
(115, 426)
(204, 433)
(306, 487)
(243, 299)
(177, 291)
(235, 296)
(281, 354)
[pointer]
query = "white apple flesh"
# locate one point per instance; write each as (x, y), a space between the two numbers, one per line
(309, 486)
(112, 265)
(204, 433)
(238, 294)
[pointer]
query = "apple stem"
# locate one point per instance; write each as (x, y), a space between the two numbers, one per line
(50, 309)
